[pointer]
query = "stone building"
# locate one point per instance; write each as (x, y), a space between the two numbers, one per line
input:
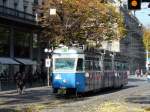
(18, 38)
(132, 45)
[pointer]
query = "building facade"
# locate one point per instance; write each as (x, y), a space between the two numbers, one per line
(18, 38)
(132, 45)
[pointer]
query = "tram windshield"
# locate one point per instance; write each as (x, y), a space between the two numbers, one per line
(64, 64)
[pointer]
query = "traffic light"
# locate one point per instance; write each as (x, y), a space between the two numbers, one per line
(134, 4)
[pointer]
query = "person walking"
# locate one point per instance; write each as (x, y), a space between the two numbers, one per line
(20, 82)
(148, 76)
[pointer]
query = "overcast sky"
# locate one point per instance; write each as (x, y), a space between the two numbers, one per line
(142, 15)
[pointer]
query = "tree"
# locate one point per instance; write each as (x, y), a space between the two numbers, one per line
(146, 38)
(80, 21)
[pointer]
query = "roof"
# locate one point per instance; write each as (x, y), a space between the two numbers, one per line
(8, 61)
(68, 50)
(26, 61)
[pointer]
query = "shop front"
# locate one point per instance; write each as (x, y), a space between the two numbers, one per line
(16, 54)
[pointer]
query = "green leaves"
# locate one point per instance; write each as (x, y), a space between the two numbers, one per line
(146, 38)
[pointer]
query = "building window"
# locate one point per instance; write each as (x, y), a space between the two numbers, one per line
(4, 41)
(25, 5)
(15, 5)
(35, 41)
(25, 8)
(4, 3)
(36, 2)
(22, 44)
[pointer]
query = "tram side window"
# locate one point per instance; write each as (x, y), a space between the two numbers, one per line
(96, 65)
(108, 66)
(80, 65)
(125, 66)
(88, 65)
(122, 66)
(118, 66)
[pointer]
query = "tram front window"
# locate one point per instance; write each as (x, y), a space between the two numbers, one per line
(64, 64)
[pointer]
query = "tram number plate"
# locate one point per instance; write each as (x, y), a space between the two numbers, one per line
(61, 91)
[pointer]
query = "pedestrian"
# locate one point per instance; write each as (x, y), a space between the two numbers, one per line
(141, 73)
(128, 72)
(148, 76)
(137, 72)
(20, 82)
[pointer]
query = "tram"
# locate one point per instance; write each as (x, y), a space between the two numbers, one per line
(78, 71)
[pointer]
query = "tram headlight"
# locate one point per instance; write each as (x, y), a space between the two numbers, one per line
(87, 75)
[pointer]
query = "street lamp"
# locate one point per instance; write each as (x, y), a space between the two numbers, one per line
(48, 63)
(52, 11)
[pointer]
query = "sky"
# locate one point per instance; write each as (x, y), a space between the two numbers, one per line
(142, 15)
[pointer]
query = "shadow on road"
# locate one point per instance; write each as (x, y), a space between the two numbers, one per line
(8, 110)
(31, 96)
(141, 99)
(46, 96)
(87, 95)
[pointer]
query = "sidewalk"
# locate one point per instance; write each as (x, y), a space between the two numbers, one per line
(135, 77)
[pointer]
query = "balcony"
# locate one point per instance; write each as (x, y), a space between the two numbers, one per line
(16, 15)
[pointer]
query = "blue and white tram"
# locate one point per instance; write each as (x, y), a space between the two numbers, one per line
(75, 70)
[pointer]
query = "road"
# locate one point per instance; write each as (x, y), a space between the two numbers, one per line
(136, 93)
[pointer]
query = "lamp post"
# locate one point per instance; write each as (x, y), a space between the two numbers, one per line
(52, 12)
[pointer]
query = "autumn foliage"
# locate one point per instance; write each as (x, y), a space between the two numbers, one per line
(80, 21)
(146, 38)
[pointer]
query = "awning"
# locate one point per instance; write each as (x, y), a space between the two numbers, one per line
(8, 61)
(26, 61)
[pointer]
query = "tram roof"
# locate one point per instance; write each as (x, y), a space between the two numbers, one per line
(68, 50)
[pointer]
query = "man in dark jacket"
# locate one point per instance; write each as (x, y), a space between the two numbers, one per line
(20, 81)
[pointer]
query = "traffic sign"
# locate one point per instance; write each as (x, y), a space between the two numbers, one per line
(48, 62)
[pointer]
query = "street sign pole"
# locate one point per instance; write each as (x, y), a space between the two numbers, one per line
(48, 64)
(48, 76)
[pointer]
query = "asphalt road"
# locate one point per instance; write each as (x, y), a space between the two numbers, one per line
(136, 93)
